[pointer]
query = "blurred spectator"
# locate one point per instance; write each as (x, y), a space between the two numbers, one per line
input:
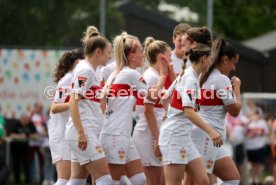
(251, 108)
(236, 131)
(269, 181)
(255, 143)
(39, 121)
(49, 168)
(22, 132)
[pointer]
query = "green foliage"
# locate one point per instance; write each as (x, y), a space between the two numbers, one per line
(244, 19)
(51, 22)
(61, 23)
(238, 19)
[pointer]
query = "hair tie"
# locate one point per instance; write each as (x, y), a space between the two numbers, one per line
(94, 34)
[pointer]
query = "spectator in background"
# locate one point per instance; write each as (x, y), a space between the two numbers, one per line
(39, 121)
(255, 143)
(49, 168)
(236, 131)
(22, 132)
(251, 108)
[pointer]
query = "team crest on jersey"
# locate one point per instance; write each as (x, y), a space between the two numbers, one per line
(191, 94)
(210, 163)
(81, 80)
(160, 158)
(121, 154)
(182, 153)
(61, 92)
(99, 149)
(142, 80)
(229, 89)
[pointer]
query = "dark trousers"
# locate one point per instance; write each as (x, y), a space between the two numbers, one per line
(20, 163)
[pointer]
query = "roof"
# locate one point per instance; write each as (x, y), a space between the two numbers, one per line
(272, 54)
(129, 7)
(264, 42)
(247, 52)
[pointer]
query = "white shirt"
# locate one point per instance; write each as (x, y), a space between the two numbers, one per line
(57, 122)
(256, 142)
(107, 70)
(185, 94)
(177, 63)
(121, 101)
(216, 93)
(86, 82)
(236, 125)
(151, 76)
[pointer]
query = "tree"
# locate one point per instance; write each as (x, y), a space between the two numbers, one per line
(236, 19)
(50, 22)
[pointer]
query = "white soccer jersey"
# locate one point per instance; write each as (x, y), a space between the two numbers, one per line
(86, 82)
(121, 101)
(57, 122)
(216, 93)
(151, 77)
(177, 128)
(107, 70)
(177, 67)
(177, 63)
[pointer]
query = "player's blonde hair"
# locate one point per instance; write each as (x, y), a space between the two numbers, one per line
(152, 47)
(124, 44)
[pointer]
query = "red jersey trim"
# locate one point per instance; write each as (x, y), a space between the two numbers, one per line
(210, 98)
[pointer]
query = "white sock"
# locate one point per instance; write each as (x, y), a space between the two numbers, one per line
(138, 179)
(76, 182)
(232, 182)
(104, 180)
(61, 182)
(124, 180)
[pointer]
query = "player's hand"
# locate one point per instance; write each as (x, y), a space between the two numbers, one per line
(82, 142)
(164, 67)
(215, 136)
(156, 150)
(236, 82)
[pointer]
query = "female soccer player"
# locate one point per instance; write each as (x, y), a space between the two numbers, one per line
(146, 132)
(179, 152)
(60, 151)
(121, 88)
(85, 110)
(219, 95)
